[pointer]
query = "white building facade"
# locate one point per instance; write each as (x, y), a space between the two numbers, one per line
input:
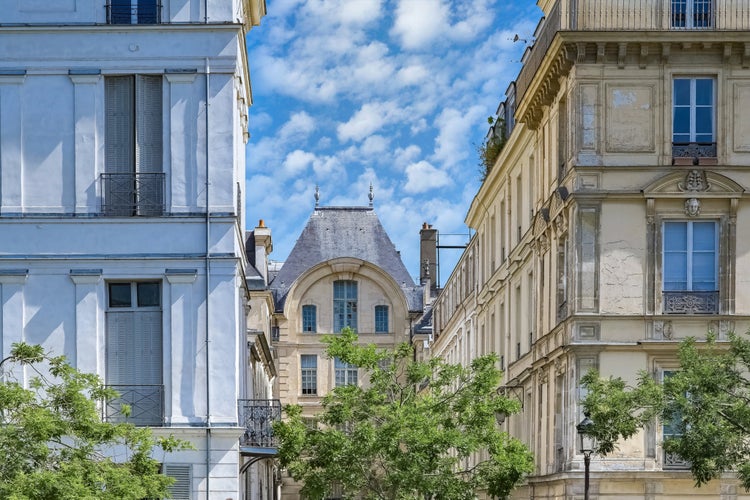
(122, 133)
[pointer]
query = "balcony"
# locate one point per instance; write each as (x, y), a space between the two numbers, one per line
(691, 302)
(257, 417)
(132, 194)
(631, 15)
(694, 153)
(146, 405)
(133, 12)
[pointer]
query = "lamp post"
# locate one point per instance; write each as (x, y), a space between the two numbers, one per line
(587, 446)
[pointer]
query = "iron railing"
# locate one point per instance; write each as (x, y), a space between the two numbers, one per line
(694, 150)
(130, 194)
(257, 417)
(688, 302)
(146, 404)
(631, 15)
(133, 12)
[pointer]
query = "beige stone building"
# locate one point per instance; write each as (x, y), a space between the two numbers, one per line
(343, 271)
(614, 223)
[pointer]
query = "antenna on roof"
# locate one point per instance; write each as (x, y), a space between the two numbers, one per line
(317, 195)
(371, 196)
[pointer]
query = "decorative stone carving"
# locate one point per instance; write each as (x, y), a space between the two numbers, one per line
(663, 330)
(695, 181)
(692, 207)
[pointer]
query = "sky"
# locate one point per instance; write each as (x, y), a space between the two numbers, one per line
(389, 93)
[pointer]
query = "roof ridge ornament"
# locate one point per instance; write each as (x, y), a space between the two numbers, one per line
(371, 196)
(317, 195)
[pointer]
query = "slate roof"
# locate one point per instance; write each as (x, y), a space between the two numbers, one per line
(334, 232)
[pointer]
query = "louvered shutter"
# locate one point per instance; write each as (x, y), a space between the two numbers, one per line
(120, 361)
(119, 160)
(182, 487)
(148, 144)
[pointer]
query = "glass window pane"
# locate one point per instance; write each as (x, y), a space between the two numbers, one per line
(681, 91)
(704, 121)
(704, 236)
(681, 121)
(148, 295)
(119, 295)
(704, 91)
(675, 236)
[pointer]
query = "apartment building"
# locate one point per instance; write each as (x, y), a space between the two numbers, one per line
(122, 162)
(613, 224)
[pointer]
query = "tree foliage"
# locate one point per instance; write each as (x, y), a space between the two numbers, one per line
(491, 148)
(707, 403)
(413, 430)
(54, 443)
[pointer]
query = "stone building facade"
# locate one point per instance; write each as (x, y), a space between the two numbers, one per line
(343, 271)
(613, 224)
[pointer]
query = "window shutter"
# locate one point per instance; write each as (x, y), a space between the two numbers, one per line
(148, 144)
(148, 347)
(120, 360)
(149, 127)
(181, 489)
(118, 134)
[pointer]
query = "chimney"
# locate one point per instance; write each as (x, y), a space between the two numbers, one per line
(428, 257)
(263, 248)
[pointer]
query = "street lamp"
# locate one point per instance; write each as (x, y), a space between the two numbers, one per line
(587, 442)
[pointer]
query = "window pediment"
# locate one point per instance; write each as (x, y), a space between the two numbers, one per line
(691, 183)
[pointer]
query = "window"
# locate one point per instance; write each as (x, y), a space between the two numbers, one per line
(693, 117)
(344, 305)
(133, 180)
(345, 374)
(381, 319)
(690, 266)
(309, 318)
(134, 12)
(309, 364)
(692, 14)
(672, 428)
(134, 351)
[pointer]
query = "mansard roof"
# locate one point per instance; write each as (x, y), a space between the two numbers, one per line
(336, 232)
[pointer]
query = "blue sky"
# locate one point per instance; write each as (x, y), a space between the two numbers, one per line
(393, 93)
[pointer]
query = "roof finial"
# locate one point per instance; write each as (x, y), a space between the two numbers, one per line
(317, 195)
(371, 196)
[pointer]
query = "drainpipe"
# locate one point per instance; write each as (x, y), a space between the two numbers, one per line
(208, 289)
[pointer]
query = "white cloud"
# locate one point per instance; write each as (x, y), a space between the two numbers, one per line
(300, 125)
(370, 118)
(419, 22)
(297, 162)
(422, 177)
(375, 144)
(452, 144)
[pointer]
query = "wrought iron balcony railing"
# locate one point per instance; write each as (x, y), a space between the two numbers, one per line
(688, 302)
(129, 194)
(694, 150)
(257, 417)
(146, 405)
(133, 12)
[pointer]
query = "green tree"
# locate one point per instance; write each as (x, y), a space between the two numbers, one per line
(491, 148)
(54, 443)
(412, 430)
(706, 403)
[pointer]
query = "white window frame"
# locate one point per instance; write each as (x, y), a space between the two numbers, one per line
(308, 376)
(693, 106)
(690, 252)
(344, 373)
(692, 9)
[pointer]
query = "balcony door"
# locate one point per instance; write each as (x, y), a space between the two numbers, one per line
(134, 351)
(133, 182)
